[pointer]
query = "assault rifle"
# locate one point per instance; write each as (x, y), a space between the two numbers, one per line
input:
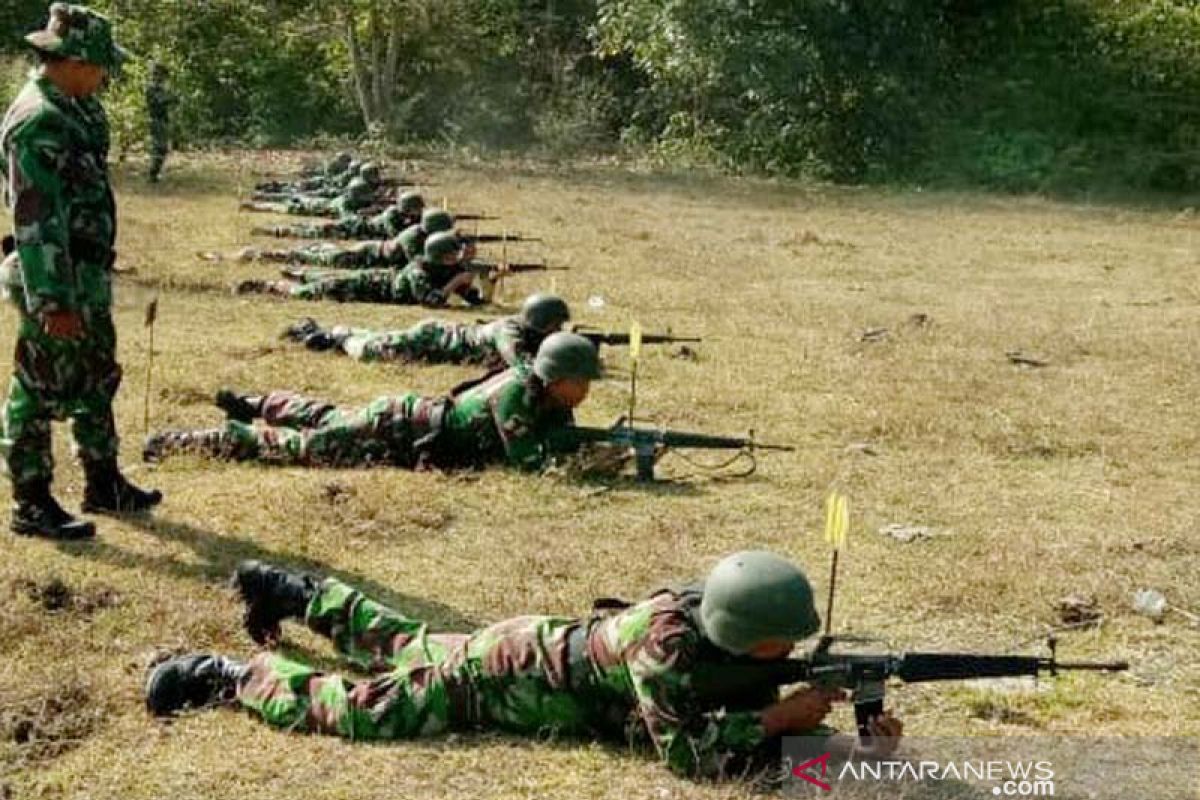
(492, 238)
(865, 675)
(648, 443)
(491, 268)
(599, 338)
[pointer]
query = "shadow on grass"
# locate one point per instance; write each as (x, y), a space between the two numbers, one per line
(219, 555)
(659, 487)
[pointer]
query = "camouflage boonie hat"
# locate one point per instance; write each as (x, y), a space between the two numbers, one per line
(78, 32)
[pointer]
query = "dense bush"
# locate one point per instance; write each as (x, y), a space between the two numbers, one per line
(1009, 94)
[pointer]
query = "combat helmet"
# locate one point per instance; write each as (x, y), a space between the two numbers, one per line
(441, 244)
(566, 356)
(436, 220)
(410, 202)
(544, 311)
(370, 172)
(755, 596)
(412, 241)
(77, 32)
(358, 189)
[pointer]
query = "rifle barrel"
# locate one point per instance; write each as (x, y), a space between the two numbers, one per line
(1092, 666)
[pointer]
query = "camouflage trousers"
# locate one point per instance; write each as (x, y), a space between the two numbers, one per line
(159, 146)
(421, 683)
(312, 230)
(299, 206)
(430, 341)
(56, 379)
(356, 286)
(364, 255)
(302, 431)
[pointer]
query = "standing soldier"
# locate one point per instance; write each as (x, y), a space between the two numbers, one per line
(54, 156)
(158, 107)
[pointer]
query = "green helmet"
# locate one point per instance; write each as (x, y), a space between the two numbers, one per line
(566, 356)
(754, 596)
(410, 202)
(358, 189)
(436, 220)
(441, 244)
(339, 163)
(77, 32)
(412, 241)
(544, 311)
(370, 172)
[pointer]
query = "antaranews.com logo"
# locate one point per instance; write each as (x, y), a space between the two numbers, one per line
(1070, 768)
(1008, 778)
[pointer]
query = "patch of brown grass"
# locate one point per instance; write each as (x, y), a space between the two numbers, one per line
(1076, 478)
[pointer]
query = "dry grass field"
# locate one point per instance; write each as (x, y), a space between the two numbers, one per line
(1078, 477)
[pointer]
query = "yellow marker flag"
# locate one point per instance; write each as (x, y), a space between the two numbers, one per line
(837, 520)
(635, 342)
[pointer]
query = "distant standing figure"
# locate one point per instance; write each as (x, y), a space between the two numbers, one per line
(158, 107)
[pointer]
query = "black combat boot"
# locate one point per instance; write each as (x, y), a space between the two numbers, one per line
(332, 339)
(238, 406)
(194, 681)
(299, 331)
(271, 595)
(210, 442)
(251, 286)
(108, 491)
(35, 512)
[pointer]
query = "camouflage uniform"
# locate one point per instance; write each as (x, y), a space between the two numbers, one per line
(305, 206)
(499, 420)
(54, 153)
(419, 283)
(613, 675)
(330, 180)
(363, 255)
(502, 342)
(158, 107)
(387, 224)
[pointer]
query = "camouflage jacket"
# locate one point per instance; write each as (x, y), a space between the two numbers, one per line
(422, 282)
(158, 100)
(496, 420)
(614, 674)
(54, 156)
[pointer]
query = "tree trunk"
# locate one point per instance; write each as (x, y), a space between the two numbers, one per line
(362, 77)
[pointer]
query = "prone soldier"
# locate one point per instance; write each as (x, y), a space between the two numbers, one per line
(505, 342)
(625, 671)
(508, 418)
(358, 194)
(429, 280)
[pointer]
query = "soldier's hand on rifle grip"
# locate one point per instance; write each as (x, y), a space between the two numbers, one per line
(800, 711)
(62, 324)
(885, 732)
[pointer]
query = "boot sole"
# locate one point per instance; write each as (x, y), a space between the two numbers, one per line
(96, 508)
(86, 531)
